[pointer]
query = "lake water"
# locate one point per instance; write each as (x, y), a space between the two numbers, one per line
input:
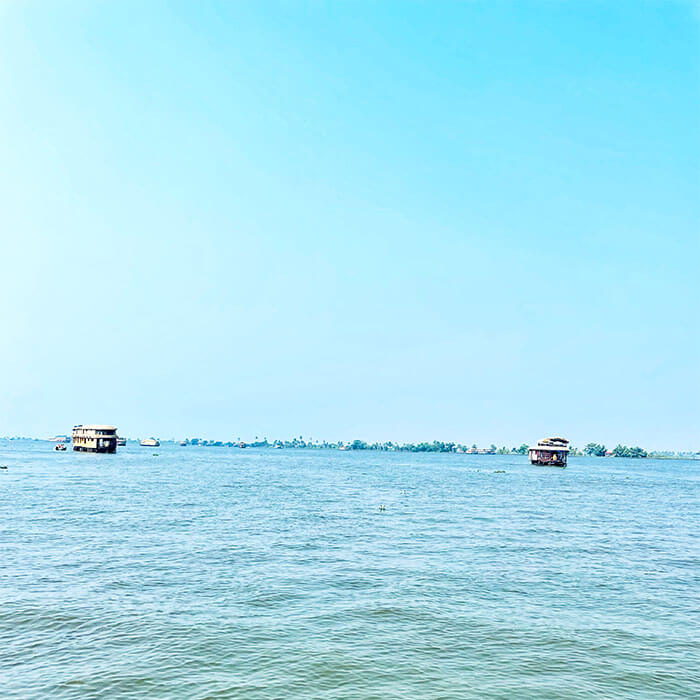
(227, 573)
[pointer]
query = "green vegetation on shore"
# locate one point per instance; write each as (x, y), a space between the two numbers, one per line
(591, 449)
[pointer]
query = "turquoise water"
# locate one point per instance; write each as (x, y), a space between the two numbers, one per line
(226, 573)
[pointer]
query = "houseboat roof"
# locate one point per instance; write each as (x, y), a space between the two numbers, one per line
(95, 427)
(552, 444)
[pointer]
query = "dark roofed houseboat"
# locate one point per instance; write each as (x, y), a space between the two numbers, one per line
(550, 452)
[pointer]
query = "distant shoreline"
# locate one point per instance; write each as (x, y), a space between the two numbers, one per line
(591, 450)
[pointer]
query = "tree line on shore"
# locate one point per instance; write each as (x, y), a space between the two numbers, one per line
(592, 449)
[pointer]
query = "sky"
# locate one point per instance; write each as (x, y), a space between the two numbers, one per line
(465, 221)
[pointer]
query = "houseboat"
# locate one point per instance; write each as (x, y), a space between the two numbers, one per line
(550, 452)
(95, 438)
(150, 442)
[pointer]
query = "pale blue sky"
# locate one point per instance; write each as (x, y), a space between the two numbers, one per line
(474, 221)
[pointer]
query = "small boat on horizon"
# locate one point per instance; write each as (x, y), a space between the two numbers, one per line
(60, 447)
(150, 442)
(121, 442)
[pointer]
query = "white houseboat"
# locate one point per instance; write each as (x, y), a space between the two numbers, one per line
(95, 438)
(550, 452)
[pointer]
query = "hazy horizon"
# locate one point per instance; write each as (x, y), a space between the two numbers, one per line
(475, 222)
(314, 440)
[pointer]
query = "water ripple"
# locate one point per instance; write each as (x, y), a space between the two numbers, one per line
(218, 573)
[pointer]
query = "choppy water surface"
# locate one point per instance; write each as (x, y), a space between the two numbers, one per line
(218, 572)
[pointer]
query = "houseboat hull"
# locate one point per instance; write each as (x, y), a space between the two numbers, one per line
(102, 450)
(548, 461)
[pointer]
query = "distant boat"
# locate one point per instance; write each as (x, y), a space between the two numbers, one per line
(60, 447)
(121, 442)
(550, 452)
(183, 443)
(150, 442)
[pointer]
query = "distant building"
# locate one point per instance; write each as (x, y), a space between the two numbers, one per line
(95, 438)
